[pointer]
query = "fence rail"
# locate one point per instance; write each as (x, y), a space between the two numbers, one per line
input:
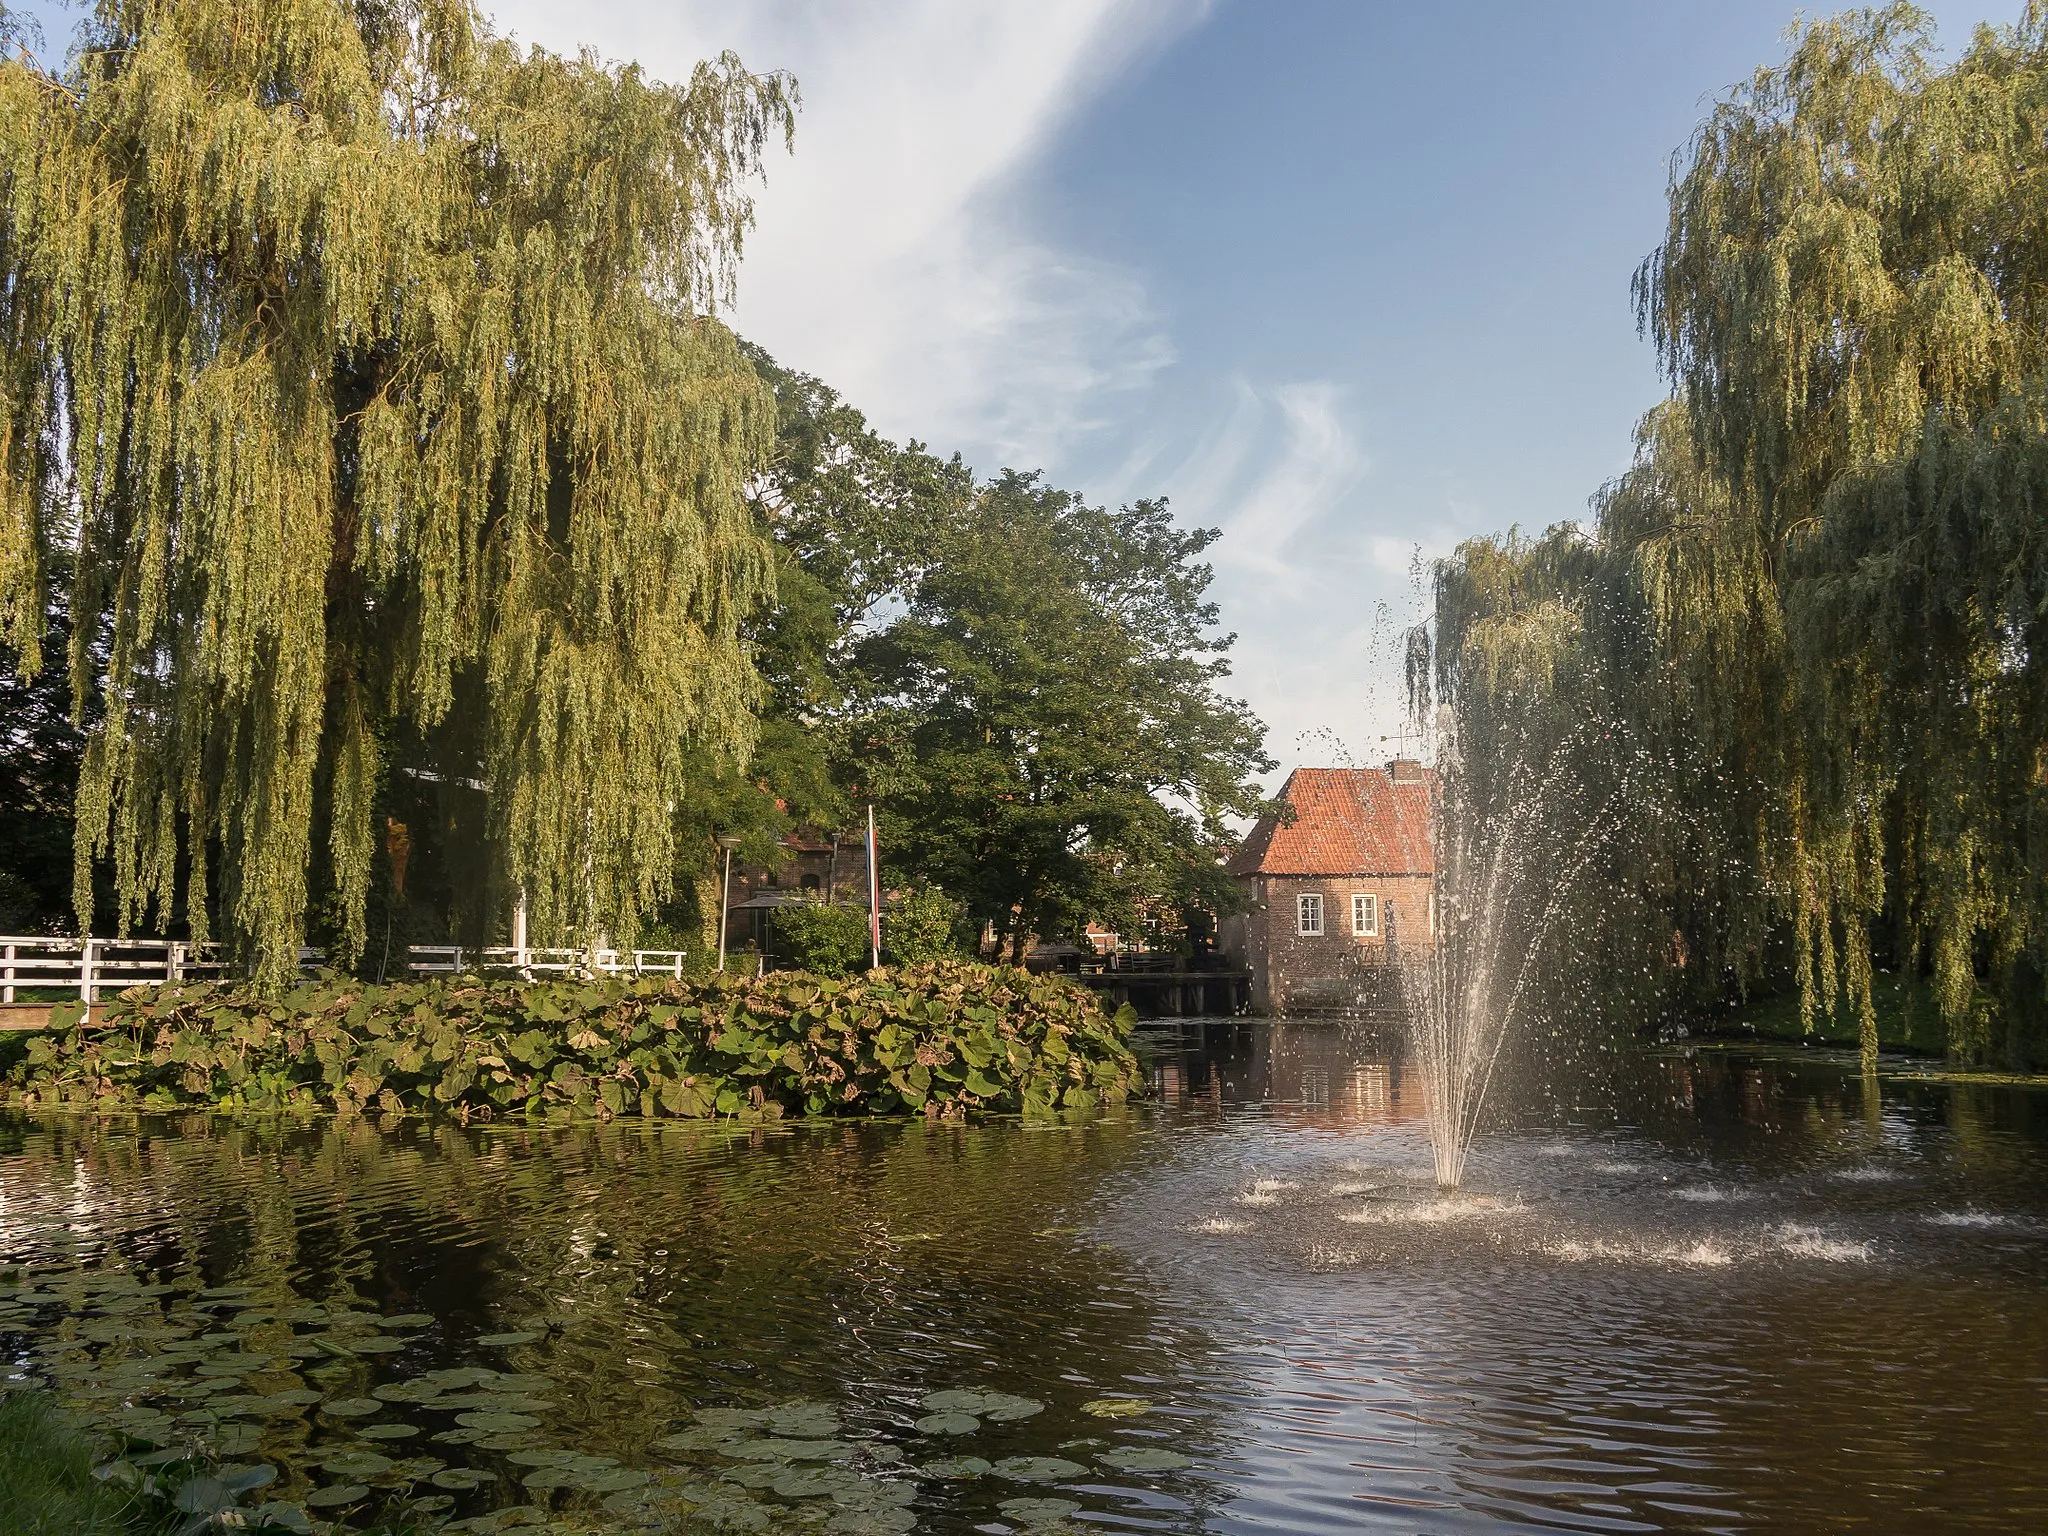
(89, 968)
(455, 960)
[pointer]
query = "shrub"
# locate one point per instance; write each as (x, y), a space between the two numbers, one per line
(939, 1039)
(824, 940)
(923, 926)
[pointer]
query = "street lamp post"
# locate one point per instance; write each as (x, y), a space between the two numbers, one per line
(728, 843)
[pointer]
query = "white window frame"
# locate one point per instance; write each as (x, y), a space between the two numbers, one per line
(1308, 915)
(1365, 915)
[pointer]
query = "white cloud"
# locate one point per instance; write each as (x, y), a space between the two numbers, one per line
(890, 257)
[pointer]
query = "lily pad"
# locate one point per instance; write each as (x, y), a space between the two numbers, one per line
(708, 1437)
(281, 1513)
(541, 1456)
(336, 1495)
(351, 1407)
(812, 1482)
(886, 1520)
(356, 1464)
(506, 1340)
(947, 1424)
(390, 1431)
(237, 1439)
(1143, 1458)
(957, 1467)
(615, 1480)
(409, 1320)
(1000, 1406)
(506, 1440)
(787, 1450)
(1038, 1469)
(803, 1419)
(376, 1344)
(1004, 1408)
(552, 1477)
(1039, 1511)
(460, 1436)
(463, 1478)
(497, 1422)
(1116, 1407)
(431, 1504)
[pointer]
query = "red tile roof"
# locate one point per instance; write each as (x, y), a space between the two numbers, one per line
(1347, 821)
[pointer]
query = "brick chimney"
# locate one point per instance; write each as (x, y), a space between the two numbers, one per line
(1406, 770)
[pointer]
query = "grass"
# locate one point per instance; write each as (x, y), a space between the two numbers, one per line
(1907, 1019)
(46, 1482)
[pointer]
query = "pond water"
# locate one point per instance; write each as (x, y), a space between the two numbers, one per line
(1733, 1291)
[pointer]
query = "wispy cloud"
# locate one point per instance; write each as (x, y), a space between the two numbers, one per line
(891, 256)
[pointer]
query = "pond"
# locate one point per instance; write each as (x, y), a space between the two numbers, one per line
(1734, 1290)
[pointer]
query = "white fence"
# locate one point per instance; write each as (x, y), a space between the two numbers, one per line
(454, 960)
(91, 968)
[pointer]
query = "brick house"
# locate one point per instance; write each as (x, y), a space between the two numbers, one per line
(1336, 891)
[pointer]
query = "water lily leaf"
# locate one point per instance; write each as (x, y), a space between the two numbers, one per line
(335, 1496)
(241, 1480)
(762, 1475)
(803, 1420)
(521, 1381)
(553, 1477)
(1116, 1407)
(455, 1377)
(409, 1320)
(1004, 1409)
(948, 1424)
(1143, 1458)
(1038, 1469)
(812, 1482)
(376, 1344)
(708, 1437)
(295, 1397)
(351, 1407)
(460, 1436)
(787, 1450)
(614, 1480)
(280, 1513)
(955, 1400)
(506, 1340)
(960, 1467)
(389, 1431)
(237, 1439)
(496, 1421)
(463, 1478)
(1038, 1511)
(883, 1521)
(541, 1456)
(431, 1504)
(406, 1391)
(356, 1464)
(203, 1496)
(737, 1418)
(507, 1440)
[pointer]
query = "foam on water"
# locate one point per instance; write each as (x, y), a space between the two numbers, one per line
(1703, 1254)
(1427, 1212)
(1977, 1219)
(1221, 1226)
(1801, 1242)
(1864, 1173)
(1712, 1194)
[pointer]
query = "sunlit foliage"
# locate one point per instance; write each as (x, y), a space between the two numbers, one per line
(362, 367)
(1821, 595)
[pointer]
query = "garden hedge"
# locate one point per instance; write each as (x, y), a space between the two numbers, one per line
(940, 1039)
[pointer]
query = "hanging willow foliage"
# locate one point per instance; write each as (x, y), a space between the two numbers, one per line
(366, 363)
(1823, 589)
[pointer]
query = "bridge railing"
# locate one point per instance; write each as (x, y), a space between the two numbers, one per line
(456, 960)
(92, 968)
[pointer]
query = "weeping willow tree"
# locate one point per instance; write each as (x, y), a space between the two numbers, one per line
(1823, 589)
(362, 369)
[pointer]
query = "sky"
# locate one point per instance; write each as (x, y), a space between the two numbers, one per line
(1346, 280)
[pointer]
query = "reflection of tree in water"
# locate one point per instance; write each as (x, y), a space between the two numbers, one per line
(865, 1265)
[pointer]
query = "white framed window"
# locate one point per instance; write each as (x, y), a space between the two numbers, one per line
(1365, 916)
(1308, 916)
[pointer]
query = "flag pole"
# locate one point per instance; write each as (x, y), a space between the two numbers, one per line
(874, 896)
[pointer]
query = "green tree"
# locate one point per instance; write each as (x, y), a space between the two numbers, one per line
(1821, 593)
(364, 365)
(922, 925)
(1040, 719)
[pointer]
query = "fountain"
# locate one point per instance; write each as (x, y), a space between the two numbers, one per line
(1506, 873)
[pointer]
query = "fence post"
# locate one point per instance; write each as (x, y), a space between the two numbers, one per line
(7, 984)
(85, 960)
(174, 961)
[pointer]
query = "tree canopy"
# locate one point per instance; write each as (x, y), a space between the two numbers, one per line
(360, 370)
(1820, 598)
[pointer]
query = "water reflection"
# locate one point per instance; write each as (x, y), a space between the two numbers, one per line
(1716, 1291)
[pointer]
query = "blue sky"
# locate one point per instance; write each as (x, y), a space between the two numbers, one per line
(1348, 280)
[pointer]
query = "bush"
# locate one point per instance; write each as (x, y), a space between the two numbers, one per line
(923, 926)
(824, 940)
(46, 1481)
(939, 1039)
